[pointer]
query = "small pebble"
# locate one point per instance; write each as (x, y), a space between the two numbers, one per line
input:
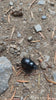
(43, 17)
(29, 38)
(54, 75)
(18, 35)
(46, 58)
(38, 28)
(43, 65)
(11, 3)
(41, 2)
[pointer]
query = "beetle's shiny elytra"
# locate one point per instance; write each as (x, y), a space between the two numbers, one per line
(28, 65)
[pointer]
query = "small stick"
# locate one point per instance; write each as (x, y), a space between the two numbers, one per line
(9, 18)
(13, 95)
(42, 35)
(48, 98)
(22, 81)
(19, 72)
(39, 80)
(32, 15)
(35, 41)
(32, 3)
(53, 33)
(14, 69)
(13, 29)
(25, 97)
(9, 10)
(12, 88)
(40, 54)
(50, 81)
(55, 58)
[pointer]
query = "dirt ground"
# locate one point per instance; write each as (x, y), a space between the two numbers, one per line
(38, 87)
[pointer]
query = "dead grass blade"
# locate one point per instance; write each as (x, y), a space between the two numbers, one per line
(50, 81)
(35, 41)
(22, 81)
(42, 35)
(13, 95)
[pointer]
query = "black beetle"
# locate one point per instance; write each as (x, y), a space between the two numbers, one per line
(28, 65)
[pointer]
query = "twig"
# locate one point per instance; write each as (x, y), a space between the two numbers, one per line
(40, 54)
(39, 80)
(9, 18)
(32, 3)
(19, 72)
(12, 88)
(53, 32)
(32, 15)
(50, 81)
(35, 41)
(9, 10)
(13, 95)
(42, 35)
(25, 97)
(13, 29)
(14, 69)
(22, 81)
(55, 58)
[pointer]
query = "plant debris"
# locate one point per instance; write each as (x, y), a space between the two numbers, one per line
(50, 81)
(17, 13)
(22, 81)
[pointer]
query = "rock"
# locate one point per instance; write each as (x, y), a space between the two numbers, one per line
(5, 73)
(38, 28)
(18, 35)
(41, 2)
(54, 75)
(43, 17)
(29, 38)
(46, 58)
(11, 3)
(43, 65)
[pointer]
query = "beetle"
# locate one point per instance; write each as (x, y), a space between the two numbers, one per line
(28, 65)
